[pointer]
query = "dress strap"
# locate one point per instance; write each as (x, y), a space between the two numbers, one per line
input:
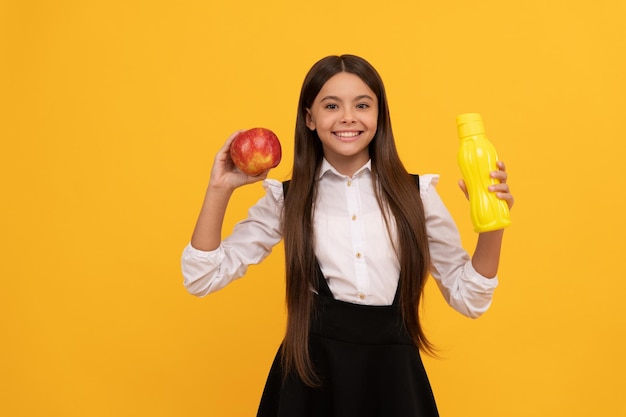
(322, 284)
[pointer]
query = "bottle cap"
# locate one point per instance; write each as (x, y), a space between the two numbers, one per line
(469, 124)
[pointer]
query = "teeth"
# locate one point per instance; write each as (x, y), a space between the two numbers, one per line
(347, 134)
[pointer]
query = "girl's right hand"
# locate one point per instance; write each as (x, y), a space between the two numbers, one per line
(225, 175)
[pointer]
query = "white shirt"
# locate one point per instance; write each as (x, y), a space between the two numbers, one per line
(352, 245)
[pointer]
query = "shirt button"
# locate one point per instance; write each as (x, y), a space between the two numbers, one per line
(354, 217)
(358, 255)
(362, 296)
(349, 183)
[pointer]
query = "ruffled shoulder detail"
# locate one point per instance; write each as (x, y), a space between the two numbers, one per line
(427, 181)
(274, 189)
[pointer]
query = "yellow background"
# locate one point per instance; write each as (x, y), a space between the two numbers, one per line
(112, 112)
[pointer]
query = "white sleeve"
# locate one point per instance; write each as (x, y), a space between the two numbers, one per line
(465, 290)
(250, 242)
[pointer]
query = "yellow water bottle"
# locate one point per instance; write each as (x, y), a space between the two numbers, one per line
(477, 158)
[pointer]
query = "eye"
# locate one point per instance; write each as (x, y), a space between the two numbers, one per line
(362, 106)
(331, 106)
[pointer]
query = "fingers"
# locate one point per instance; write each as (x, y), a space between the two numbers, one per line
(502, 188)
(224, 174)
(232, 137)
(259, 177)
(226, 147)
(463, 188)
(500, 174)
(504, 194)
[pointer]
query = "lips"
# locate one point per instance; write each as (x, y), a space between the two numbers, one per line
(349, 134)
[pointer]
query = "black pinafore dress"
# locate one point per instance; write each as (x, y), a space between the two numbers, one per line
(368, 365)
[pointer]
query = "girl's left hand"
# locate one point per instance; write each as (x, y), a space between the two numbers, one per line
(501, 189)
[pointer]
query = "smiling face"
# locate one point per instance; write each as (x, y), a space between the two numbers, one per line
(345, 115)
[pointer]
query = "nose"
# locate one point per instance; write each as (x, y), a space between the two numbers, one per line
(348, 116)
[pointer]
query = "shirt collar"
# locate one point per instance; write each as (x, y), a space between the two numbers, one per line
(327, 167)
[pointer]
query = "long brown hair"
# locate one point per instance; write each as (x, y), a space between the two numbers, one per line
(396, 193)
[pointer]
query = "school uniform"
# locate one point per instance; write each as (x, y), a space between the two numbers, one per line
(368, 364)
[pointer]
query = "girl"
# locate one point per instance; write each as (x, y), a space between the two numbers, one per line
(361, 236)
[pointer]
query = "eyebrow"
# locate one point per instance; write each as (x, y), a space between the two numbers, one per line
(357, 98)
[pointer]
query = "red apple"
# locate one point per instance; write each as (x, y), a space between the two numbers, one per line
(256, 150)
